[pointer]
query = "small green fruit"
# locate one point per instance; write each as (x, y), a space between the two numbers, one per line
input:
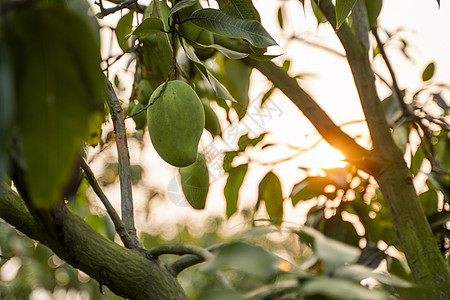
(195, 182)
(211, 121)
(175, 123)
(139, 119)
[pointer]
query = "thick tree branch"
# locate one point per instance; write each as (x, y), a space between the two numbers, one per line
(126, 272)
(363, 76)
(394, 178)
(338, 139)
(124, 160)
(118, 225)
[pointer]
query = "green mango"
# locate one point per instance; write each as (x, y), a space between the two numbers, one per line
(139, 119)
(195, 182)
(211, 121)
(175, 123)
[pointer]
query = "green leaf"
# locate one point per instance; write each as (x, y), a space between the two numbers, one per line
(358, 272)
(61, 85)
(270, 192)
(235, 75)
(242, 9)
(332, 253)
(392, 109)
(343, 9)
(267, 95)
(218, 22)
(338, 229)
(160, 10)
(219, 294)
(7, 101)
(123, 28)
(438, 219)
(429, 201)
(373, 10)
(231, 190)
(180, 5)
(339, 289)
(442, 182)
(280, 16)
(231, 54)
(416, 161)
(228, 159)
(308, 188)
(317, 13)
(149, 26)
(218, 87)
(252, 260)
(244, 141)
(428, 72)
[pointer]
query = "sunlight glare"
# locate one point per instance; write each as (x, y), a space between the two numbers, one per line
(323, 156)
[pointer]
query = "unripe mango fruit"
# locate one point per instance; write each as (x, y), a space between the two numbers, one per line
(211, 121)
(175, 123)
(195, 182)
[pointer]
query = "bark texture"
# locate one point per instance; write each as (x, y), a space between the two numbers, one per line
(126, 272)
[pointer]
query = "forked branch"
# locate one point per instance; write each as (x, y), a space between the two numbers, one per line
(124, 160)
(118, 225)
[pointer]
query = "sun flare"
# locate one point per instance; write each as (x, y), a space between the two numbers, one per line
(323, 156)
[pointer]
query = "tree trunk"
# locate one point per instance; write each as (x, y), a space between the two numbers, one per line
(413, 231)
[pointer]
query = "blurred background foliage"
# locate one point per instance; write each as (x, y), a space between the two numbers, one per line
(347, 234)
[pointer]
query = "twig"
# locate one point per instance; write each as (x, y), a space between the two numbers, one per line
(124, 160)
(198, 255)
(274, 291)
(180, 250)
(118, 225)
(307, 41)
(107, 11)
(185, 262)
(139, 7)
(398, 93)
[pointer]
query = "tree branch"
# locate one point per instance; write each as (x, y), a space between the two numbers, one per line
(107, 11)
(393, 176)
(118, 225)
(126, 272)
(397, 92)
(338, 139)
(363, 76)
(180, 250)
(185, 262)
(124, 160)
